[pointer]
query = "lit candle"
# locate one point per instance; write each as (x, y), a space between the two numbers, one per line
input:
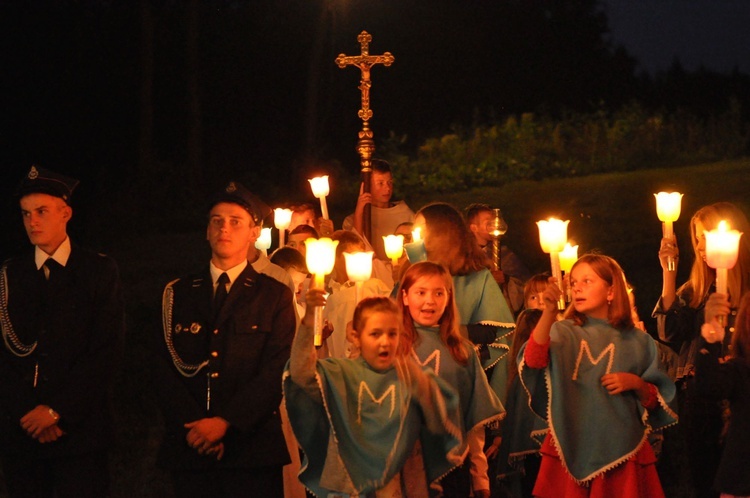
(553, 234)
(264, 241)
(281, 219)
(394, 247)
(568, 256)
(320, 190)
(358, 269)
(722, 246)
(415, 250)
(321, 256)
(668, 205)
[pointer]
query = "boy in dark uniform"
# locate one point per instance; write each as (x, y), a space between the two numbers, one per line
(62, 318)
(227, 336)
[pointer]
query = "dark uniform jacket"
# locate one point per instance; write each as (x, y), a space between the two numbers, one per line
(242, 356)
(77, 321)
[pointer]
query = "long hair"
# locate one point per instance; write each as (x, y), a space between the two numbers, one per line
(450, 332)
(449, 241)
(701, 275)
(618, 311)
(380, 304)
(533, 286)
(525, 324)
(741, 338)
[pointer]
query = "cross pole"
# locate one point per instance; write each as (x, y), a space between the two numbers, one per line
(366, 144)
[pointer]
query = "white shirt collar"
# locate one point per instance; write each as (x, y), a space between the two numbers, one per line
(232, 273)
(61, 255)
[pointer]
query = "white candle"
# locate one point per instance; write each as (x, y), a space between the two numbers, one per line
(281, 219)
(320, 190)
(553, 234)
(320, 257)
(668, 206)
(722, 246)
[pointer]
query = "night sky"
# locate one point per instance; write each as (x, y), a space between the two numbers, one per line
(273, 107)
(711, 33)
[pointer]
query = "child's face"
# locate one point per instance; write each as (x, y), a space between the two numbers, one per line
(302, 218)
(426, 300)
(378, 342)
(535, 301)
(590, 292)
(381, 188)
(297, 241)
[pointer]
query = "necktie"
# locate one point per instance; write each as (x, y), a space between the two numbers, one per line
(221, 293)
(51, 267)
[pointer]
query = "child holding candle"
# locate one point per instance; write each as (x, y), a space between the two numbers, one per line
(343, 298)
(680, 313)
(431, 323)
(522, 431)
(596, 379)
(730, 380)
(358, 421)
(386, 214)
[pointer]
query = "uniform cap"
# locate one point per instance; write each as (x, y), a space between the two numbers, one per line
(236, 193)
(42, 181)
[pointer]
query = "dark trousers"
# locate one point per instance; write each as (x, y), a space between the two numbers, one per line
(84, 476)
(266, 482)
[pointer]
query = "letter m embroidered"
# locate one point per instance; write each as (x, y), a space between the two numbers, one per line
(432, 361)
(391, 391)
(609, 351)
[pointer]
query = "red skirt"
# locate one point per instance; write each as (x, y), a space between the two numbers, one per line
(634, 478)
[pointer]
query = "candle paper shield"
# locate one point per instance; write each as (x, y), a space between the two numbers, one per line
(321, 256)
(394, 247)
(668, 206)
(722, 246)
(358, 269)
(320, 190)
(281, 219)
(553, 234)
(264, 241)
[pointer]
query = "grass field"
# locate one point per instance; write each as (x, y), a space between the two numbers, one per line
(612, 213)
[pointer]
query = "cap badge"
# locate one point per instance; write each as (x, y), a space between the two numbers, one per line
(231, 188)
(33, 173)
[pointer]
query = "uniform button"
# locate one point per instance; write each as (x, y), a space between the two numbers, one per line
(216, 331)
(215, 375)
(214, 354)
(734, 312)
(731, 329)
(254, 327)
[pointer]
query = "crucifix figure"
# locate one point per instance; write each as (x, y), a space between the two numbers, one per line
(366, 144)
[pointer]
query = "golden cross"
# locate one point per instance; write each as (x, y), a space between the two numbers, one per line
(364, 62)
(366, 144)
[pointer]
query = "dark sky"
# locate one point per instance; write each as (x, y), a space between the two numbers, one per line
(712, 33)
(71, 87)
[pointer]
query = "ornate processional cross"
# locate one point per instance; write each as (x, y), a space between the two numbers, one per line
(366, 144)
